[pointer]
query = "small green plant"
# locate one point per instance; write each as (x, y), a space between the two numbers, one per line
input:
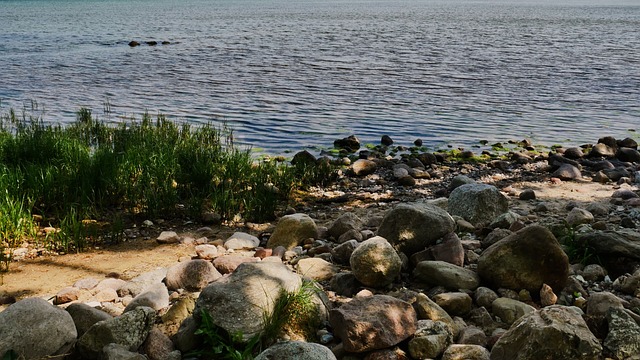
(576, 250)
(219, 344)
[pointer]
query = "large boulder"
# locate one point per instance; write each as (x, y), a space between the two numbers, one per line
(619, 243)
(555, 332)
(192, 275)
(35, 329)
(479, 204)
(239, 302)
(413, 227)
(292, 230)
(373, 322)
(525, 260)
(375, 262)
(623, 339)
(84, 316)
(440, 273)
(295, 350)
(129, 330)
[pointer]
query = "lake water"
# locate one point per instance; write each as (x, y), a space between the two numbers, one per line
(287, 74)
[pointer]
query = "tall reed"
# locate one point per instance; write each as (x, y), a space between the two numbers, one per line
(148, 167)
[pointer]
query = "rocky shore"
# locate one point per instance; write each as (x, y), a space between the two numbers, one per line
(416, 255)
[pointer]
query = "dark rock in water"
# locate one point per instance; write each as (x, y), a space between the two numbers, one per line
(166, 42)
(134, 43)
(628, 143)
(386, 140)
(152, 43)
(602, 150)
(418, 142)
(628, 154)
(304, 158)
(567, 172)
(350, 143)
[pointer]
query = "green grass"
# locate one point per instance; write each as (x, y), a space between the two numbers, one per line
(138, 168)
(293, 313)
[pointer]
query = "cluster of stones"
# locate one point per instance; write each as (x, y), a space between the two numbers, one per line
(471, 276)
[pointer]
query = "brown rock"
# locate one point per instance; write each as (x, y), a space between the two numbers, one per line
(373, 322)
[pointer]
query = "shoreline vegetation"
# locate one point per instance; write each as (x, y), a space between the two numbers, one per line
(68, 187)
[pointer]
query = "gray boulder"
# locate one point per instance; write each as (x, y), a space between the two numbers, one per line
(346, 222)
(316, 269)
(155, 297)
(129, 330)
(120, 352)
(241, 240)
(525, 260)
(192, 275)
(342, 253)
(295, 350)
(510, 310)
(375, 262)
(555, 332)
(567, 172)
(621, 243)
(142, 282)
(427, 309)
(292, 230)
(623, 339)
(430, 339)
(440, 273)
(35, 329)
(413, 227)
(84, 316)
(479, 204)
(239, 302)
(373, 322)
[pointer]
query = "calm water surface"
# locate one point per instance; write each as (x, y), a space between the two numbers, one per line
(286, 74)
